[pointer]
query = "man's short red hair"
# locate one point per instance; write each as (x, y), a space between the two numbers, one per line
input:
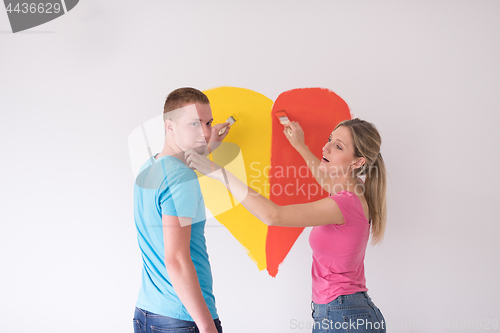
(183, 96)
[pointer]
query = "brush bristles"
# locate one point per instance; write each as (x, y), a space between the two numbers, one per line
(284, 120)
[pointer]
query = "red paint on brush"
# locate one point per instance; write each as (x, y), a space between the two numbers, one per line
(280, 114)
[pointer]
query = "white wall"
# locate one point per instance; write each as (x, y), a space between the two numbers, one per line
(71, 91)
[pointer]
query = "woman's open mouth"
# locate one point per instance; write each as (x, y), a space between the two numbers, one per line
(324, 159)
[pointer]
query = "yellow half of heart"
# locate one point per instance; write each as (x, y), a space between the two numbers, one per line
(252, 134)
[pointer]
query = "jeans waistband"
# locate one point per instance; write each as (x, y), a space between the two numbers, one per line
(343, 298)
(149, 314)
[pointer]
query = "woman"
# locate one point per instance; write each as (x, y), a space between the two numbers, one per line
(342, 221)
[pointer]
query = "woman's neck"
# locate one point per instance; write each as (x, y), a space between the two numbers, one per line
(349, 184)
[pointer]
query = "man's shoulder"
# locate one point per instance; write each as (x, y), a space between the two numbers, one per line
(165, 172)
(176, 169)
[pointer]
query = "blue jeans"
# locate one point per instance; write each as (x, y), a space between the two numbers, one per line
(148, 322)
(348, 313)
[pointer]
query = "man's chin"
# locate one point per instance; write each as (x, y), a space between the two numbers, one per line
(201, 149)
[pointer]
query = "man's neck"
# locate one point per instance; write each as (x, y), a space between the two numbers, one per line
(170, 151)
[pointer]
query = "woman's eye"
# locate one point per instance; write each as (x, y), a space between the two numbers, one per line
(329, 139)
(195, 124)
(339, 147)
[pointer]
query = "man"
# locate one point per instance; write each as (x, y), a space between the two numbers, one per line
(169, 213)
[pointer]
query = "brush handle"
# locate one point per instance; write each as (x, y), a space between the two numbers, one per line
(222, 130)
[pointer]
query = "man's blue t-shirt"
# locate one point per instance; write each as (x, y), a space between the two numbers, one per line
(167, 186)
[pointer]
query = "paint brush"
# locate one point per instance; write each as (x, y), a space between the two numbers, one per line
(231, 120)
(283, 118)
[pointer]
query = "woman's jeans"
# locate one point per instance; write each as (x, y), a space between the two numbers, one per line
(348, 313)
(148, 322)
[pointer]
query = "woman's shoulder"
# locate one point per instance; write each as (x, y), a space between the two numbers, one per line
(351, 200)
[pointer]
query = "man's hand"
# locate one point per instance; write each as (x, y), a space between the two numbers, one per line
(215, 133)
(215, 138)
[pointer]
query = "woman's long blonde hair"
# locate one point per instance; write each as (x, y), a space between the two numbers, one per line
(367, 143)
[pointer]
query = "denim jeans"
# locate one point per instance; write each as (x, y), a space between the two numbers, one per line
(348, 313)
(148, 322)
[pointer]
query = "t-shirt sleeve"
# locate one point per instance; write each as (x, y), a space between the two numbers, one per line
(182, 195)
(345, 201)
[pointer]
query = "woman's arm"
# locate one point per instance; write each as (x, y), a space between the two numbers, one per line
(321, 212)
(297, 142)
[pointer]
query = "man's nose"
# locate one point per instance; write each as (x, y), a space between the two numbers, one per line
(206, 132)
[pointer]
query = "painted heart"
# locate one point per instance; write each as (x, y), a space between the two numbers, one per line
(272, 167)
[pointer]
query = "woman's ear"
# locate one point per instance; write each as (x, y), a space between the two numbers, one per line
(359, 163)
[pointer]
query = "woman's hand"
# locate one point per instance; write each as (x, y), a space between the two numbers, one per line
(297, 137)
(204, 165)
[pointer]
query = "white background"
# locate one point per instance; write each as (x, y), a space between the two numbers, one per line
(426, 73)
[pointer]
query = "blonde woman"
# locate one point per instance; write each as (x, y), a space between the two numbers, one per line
(341, 222)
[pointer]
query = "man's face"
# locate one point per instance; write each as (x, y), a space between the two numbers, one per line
(193, 128)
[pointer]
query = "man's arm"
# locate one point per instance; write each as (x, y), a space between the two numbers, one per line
(181, 270)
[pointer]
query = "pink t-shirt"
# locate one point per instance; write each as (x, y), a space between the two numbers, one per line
(339, 252)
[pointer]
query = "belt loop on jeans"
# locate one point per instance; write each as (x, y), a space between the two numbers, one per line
(340, 299)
